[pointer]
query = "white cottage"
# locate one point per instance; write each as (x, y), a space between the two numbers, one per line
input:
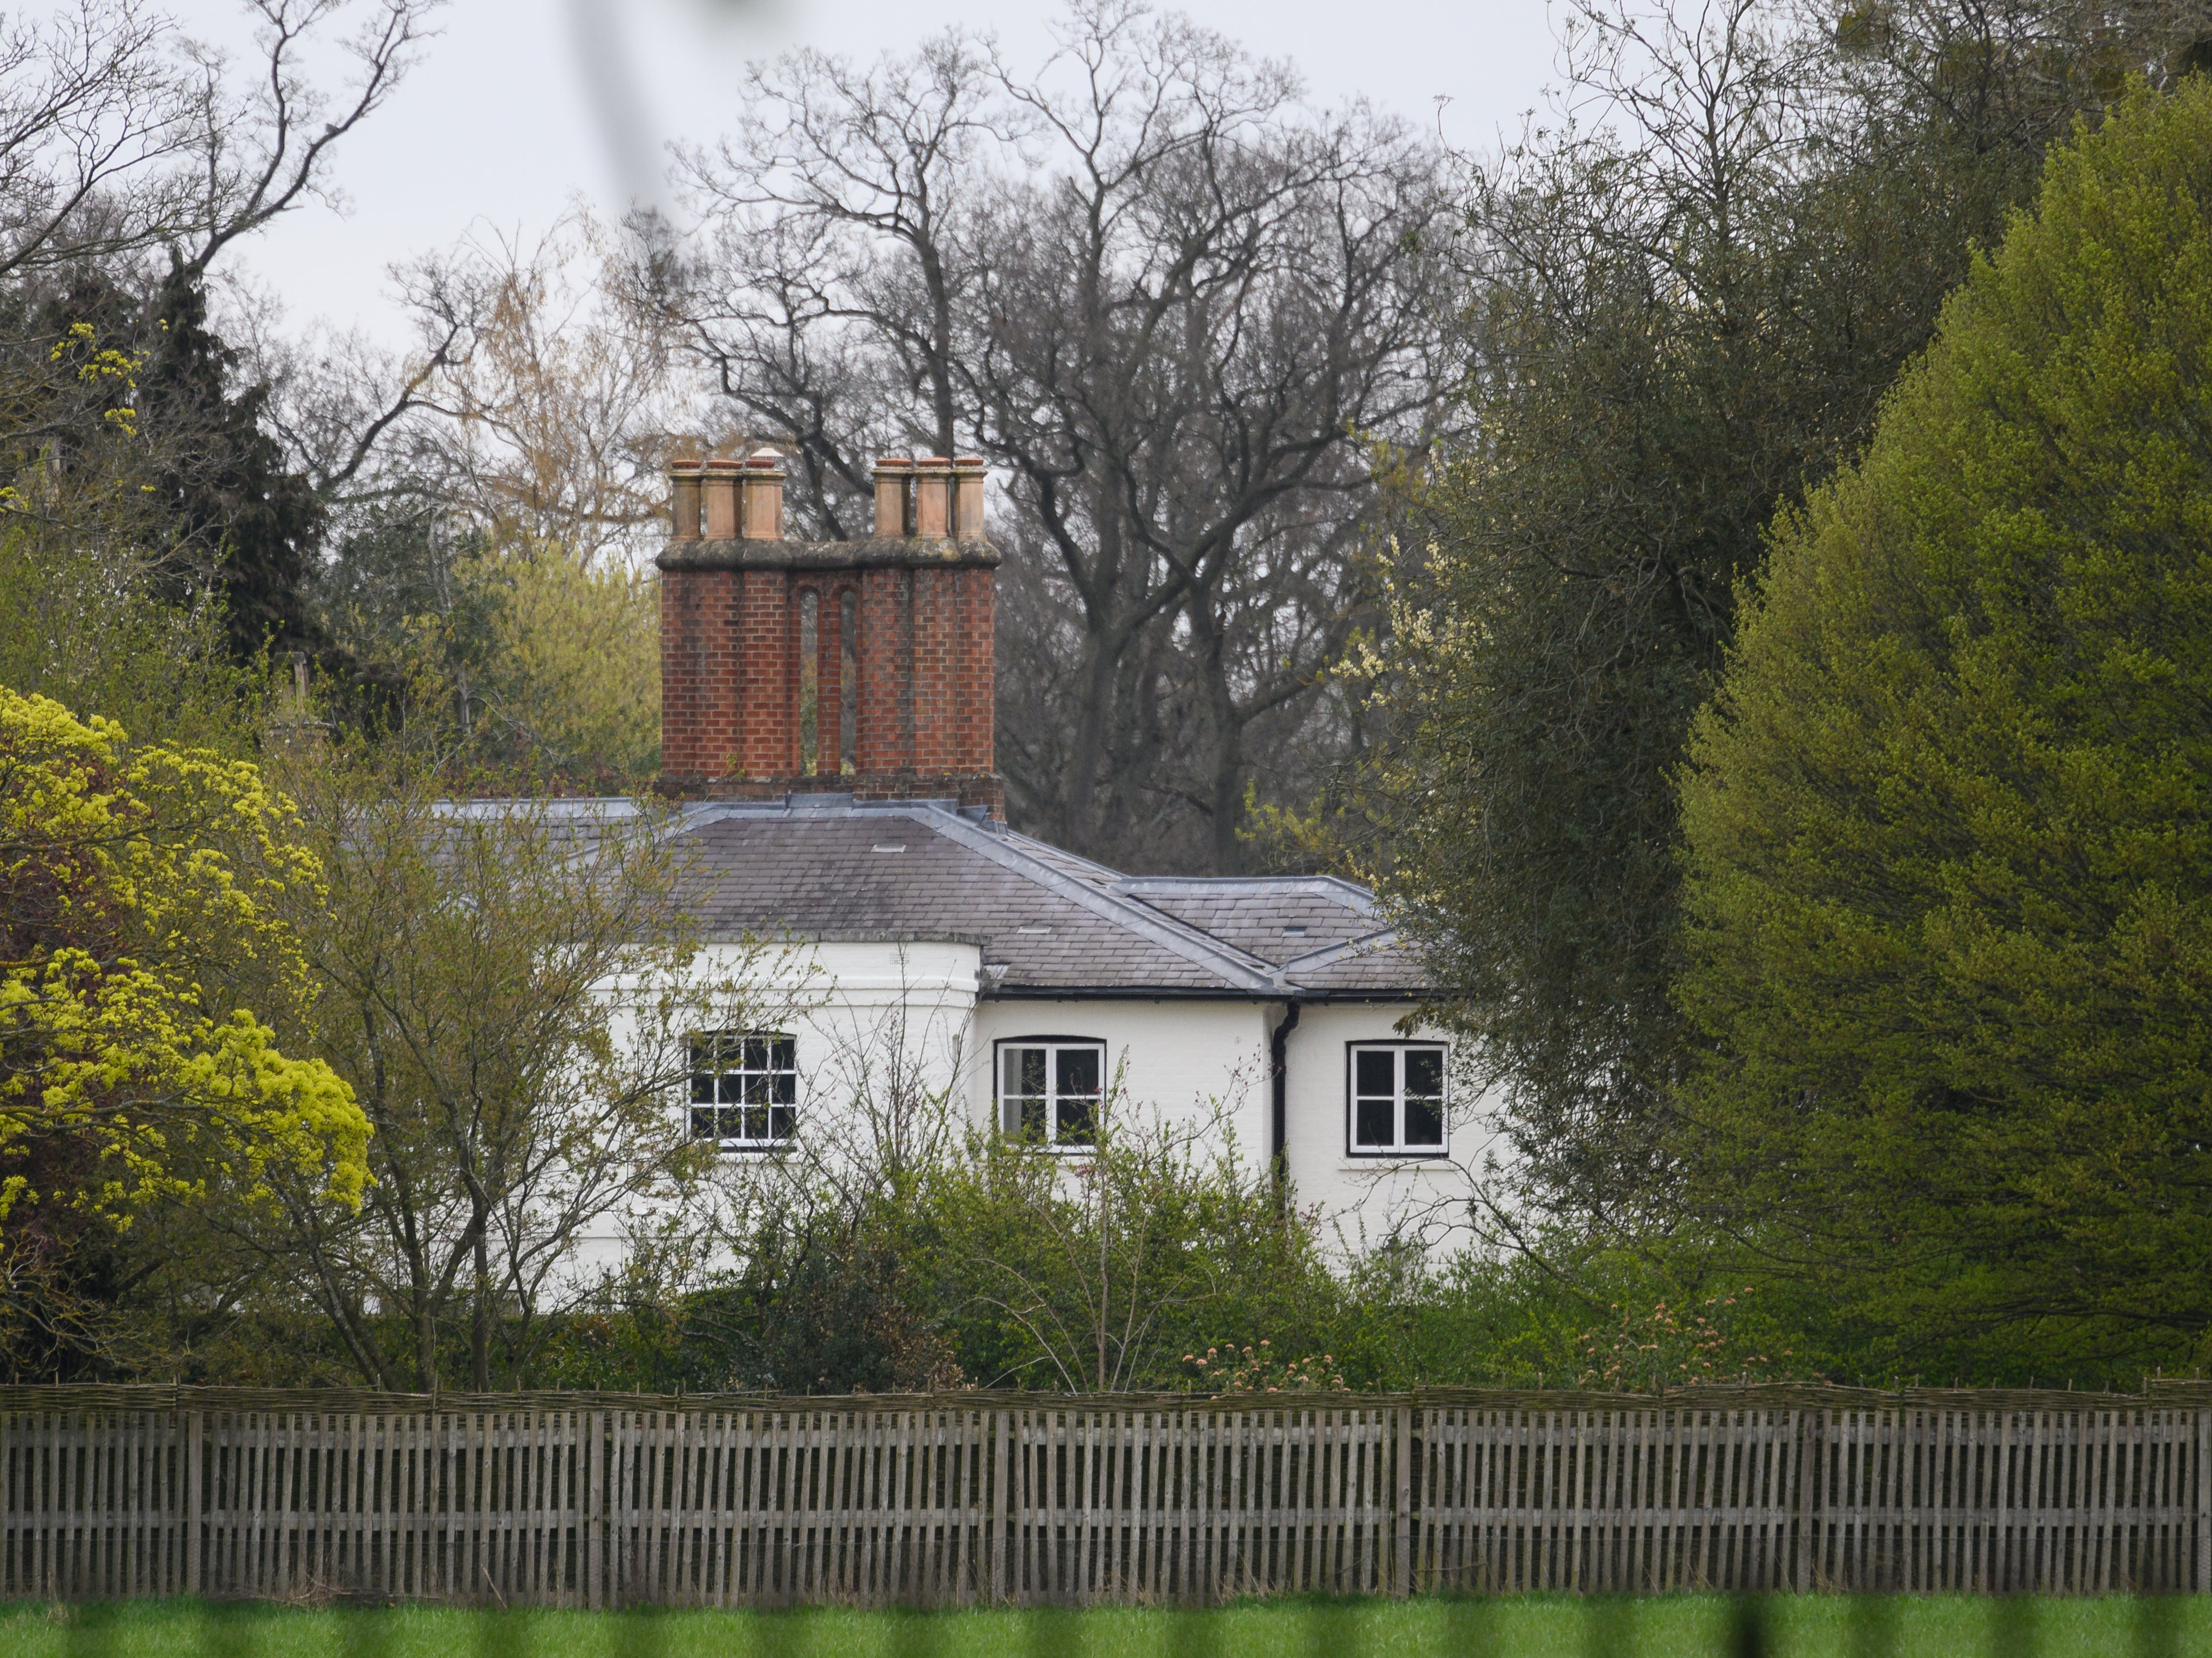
(827, 725)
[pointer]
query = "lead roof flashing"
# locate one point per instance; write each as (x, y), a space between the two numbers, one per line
(1367, 943)
(1351, 896)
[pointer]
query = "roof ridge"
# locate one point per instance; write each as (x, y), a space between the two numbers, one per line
(1192, 943)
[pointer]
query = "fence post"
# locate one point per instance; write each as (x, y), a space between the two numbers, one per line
(191, 1483)
(1002, 1503)
(1800, 1506)
(2200, 1481)
(1402, 1541)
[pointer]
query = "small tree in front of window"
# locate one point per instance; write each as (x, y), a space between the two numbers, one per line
(1081, 1272)
(510, 989)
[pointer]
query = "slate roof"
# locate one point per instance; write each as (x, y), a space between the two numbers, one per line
(1047, 923)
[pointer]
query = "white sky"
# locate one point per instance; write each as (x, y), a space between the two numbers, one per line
(503, 123)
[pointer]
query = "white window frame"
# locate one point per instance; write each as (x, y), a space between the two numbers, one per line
(1398, 1148)
(1050, 1100)
(732, 1088)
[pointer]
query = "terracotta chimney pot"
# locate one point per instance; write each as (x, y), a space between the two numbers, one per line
(894, 485)
(719, 489)
(968, 496)
(932, 496)
(683, 493)
(764, 516)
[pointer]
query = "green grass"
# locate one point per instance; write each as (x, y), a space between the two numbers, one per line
(1531, 1626)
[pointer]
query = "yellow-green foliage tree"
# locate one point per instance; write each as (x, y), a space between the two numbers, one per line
(1949, 822)
(571, 683)
(141, 890)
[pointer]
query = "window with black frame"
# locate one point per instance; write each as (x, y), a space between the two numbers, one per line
(1397, 1104)
(1050, 1090)
(744, 1089)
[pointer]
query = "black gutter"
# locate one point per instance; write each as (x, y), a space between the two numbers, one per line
(1279, 1045)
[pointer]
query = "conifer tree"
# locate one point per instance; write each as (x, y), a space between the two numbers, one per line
(1949, 822)
(239, 519)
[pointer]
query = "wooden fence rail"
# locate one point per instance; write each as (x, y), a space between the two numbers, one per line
(598, 1500)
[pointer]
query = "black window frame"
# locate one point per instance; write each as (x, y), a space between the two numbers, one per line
(1400, 1149)
(1051, 1096)
(727, 1084)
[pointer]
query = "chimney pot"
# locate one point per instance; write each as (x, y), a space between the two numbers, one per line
(683, 492)
(763, 514)
(932, 496)
(719, 488)
(968, 495)
(894, 484)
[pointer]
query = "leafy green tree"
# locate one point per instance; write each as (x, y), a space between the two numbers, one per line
(1682, 317)
(144, 943)
(1949, 819)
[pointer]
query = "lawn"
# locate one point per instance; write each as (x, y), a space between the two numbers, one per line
(1537, 1626)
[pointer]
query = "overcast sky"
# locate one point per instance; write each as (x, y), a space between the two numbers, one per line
(516, 108)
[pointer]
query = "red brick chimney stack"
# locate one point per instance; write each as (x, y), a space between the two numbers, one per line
(856, 666)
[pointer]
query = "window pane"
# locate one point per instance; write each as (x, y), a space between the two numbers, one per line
(1372, 1122)
(1075, 1122)
(703, 1126)
(755, 1122)
(756, 1053)
(784, 1089)
(1033, 1070)
(1425, 1123)
(785, 1053)
(1424, 1072)
(730, 1087)
(1375, 1071)
(703, 1053)
(782, 1119)
(702, 1088)
(1032, 1118)
(755, 1089)
(1078, 1070)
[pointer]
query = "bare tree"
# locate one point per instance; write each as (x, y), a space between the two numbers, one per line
(263, 154)
(100, 126)
(1170, 303)
(542, 408)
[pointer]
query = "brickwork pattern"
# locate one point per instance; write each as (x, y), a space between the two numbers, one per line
(732, 679)
(700, 690)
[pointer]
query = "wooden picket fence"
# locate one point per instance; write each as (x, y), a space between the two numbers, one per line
(598, 1500)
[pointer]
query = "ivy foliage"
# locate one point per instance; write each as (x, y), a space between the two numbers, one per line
(1949, 819)
(140, 902)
